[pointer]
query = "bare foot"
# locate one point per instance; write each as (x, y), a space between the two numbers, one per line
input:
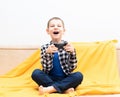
(69, 90)
(43, 90)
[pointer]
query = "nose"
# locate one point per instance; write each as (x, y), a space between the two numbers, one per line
(56, 27)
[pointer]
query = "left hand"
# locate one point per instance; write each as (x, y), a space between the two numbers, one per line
(69, 48)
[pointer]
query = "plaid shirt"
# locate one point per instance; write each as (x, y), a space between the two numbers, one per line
(67, 60)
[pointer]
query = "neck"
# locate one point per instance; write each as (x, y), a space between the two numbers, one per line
(57, 41)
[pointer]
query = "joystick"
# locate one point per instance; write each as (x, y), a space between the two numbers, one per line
(61, 45)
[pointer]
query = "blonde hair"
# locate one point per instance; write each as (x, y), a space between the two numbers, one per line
(55, 18)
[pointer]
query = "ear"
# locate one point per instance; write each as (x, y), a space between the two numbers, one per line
(64, 30)
(47, 30)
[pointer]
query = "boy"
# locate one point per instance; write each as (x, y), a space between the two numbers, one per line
(58, 59)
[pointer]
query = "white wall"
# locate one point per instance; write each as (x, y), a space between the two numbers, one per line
(23, 22)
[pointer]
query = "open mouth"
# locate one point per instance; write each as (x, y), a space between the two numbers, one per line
(56, 32)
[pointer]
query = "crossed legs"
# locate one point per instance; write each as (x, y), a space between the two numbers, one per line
(48, 85)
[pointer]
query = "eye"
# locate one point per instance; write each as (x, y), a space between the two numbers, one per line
(59, 26)
(51, 25)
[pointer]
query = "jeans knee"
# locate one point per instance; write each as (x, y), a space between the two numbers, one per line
(35, 73)
(79, 76)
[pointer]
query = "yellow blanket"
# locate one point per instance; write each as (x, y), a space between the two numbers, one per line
(96, 60)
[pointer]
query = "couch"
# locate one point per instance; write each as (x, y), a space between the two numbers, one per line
(13, 60)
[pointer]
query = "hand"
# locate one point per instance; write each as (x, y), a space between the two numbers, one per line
(69, 48)
(51, 49)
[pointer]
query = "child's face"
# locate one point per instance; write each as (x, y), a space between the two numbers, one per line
(56, 30)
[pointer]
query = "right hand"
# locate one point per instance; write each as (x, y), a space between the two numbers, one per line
(51, 49)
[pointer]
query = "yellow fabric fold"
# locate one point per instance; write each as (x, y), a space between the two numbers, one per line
(96, 60)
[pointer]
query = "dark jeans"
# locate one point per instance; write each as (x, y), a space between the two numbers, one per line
(59, 83)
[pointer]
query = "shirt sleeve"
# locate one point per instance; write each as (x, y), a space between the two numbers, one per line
(46, 59)
(73, 60)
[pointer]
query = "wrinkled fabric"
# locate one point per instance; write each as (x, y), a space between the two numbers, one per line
(96, 60)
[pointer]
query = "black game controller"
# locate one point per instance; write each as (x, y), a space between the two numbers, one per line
(61, 45)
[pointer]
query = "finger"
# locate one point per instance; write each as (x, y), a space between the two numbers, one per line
(52, 46)
(53, 51)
